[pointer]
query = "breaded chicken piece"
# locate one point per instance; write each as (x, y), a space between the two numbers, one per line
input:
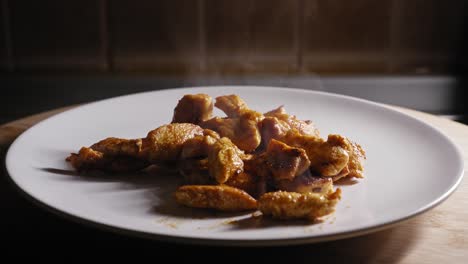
(304, 127)
(285, 162)
(193, 108)
(198, 146)
(118, 146)
(220, 197)
(116, 154)
(243, 131)
(232, 105)
(165, 142)
(290, 205)
(326, 157)
(90, 159)
(355, 152)
(224, 159)
(241, 125)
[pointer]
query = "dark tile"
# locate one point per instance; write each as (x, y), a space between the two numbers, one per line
(427, 35)
(159, 36)
(53, 34)
(346, 36)
(251, 36)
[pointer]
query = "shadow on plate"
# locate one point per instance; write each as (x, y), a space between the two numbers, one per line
(160, 190)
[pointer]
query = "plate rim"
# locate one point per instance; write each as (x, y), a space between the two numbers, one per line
(240, 242)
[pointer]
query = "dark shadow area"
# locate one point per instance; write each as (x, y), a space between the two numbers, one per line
(460, 68)
(160, 194)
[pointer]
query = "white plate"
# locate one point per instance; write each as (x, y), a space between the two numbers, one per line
(411, 167)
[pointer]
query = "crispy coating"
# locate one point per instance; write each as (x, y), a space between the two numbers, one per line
(241, 125)
(355, 152)
(304, 127)
(286, 162)
(290, 205)
(193, 108)
(224, 159)
(90, 159)
(165, 142)
(243, 131)
(288, 166)
(118, 146)
(326, 157)
(232, 105)
(220, 197)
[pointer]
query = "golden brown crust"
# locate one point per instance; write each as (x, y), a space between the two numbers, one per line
(284, 155)
(286, 162)
(290, 205)
(224, 159)
(118, 146)
(232, 105)
(165, 142)
(193, 108)
(220, 197)
(90, 159)
(326, 157)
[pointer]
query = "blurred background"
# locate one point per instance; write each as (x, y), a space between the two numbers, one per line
(403, 52)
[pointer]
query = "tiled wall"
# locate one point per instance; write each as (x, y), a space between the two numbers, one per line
(231, 37)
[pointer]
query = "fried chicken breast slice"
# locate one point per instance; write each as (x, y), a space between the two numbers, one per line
(193, 108)
(241, 125)
(355, 152)
(243, 130)
(219, 197)
(90, 159)
(118, 146)
(232, 105)
(165, 143)
(225, 160)
(304, 127)
(327, 158)
(291, 205)
(286, 162)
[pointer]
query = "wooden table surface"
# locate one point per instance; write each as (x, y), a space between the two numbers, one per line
(437, 236)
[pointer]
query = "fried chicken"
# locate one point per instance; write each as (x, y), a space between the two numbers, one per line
(241, 125)
(290, 205)
(326, 157)
(115, 154)
(165, 142)
(304, 127)
(285, 162)
(220, 197)
(193, 108)
(228, 162)
(90, 159)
